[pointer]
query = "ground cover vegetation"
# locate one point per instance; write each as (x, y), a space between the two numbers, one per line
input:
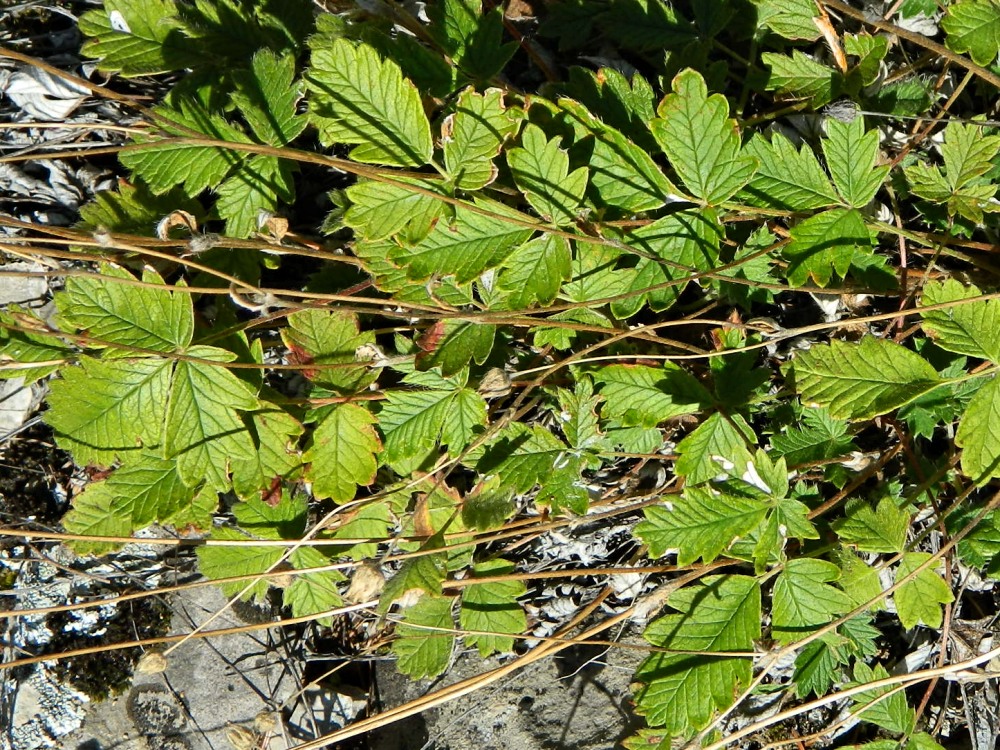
(383, 291)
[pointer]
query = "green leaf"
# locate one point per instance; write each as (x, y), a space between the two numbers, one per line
(702, 143)
(851, 154)
(979, 434)
(103, 411)
(890, 713)
(859, 580)
(820, 437)
(275, 434)
(879, 529)
(311, 593)
(791, 19)
(802, 77)
(624, 102)
(166, 164)
(464, 419)
(470, 37)
(536, 271)
(285, 520)
(19, 345)
(93, 514)
(379, 210)
(646, 25)
(862, 380)
(648, 396)
(371, 521)
(148, 490)
(817, 666)
(330, 338)
(463, 248)
(716, 440)
(541, 170)
(259, 187)
(787, 179)
(149, 41)
(364, 101)
(487, 506)
(134, 209)
(920, 598)
(700, 523)
(341, 454)
(114, 312)
(824, 245)
(973, 26)
(203, 428)
(622, 175)
(422, 649)
(681, 691)
(493, 608)
(804, 600)
(473, 135)
(870, 51)
(578, 417)
(452, 344)
(267, 98)
(244, 560)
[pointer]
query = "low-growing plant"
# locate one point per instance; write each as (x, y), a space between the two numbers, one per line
(528, 279)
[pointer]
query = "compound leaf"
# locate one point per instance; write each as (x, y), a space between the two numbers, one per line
(135, 37)
(973, 26)
(879, 529)
(715, 441)
(890, 712)
(255, 190)
(275, 434)
(862, 380)
(971, 328)
(379, 210)
(541, 170)
(267, 98)
(361, 100)
(536, 271)
(648, 396)
(979, 434)
(473, 135)
(802, 77)
(824, 245)
(329, 340)
(787, 179)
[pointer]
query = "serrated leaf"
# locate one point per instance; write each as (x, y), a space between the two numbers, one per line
(329, 337)
(879, 529)
(870, 51)
(364, 101)
(821, 437)
(258, 188)
(859, 580)
(466, 416)
(487, 506)
(464, 248)
(411, 422)
(379, 210)
(536, 271)
(122, 313)
(267, 98)
(679, 691)
(817, 666)
(92, 514)
(18, 344)
(622, 175)
(920, 599)
(979, 434)
(148, 490)
(862, 380)
(787, 179)
(135, 37)
(103, 411)
(452, 344)
(312, 593)
(243, 560)
(522, 457)
(371, 521)
(493, 608)
(702, 143)
(646, 25)
(699, 523)
(422, 649)
(203, 427)
(851, 154)
(541, 170)
(166, 164)
(802, 78)
(341, 454)
(471, 37)
(274, 433)
(824, 245)
(791, 19)
(626, 102)
(804, 600)
(715, 440)
(134, 209)
(648, 396)
(473, 135)
(973, 26)
(890, 712)
(578, 416)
